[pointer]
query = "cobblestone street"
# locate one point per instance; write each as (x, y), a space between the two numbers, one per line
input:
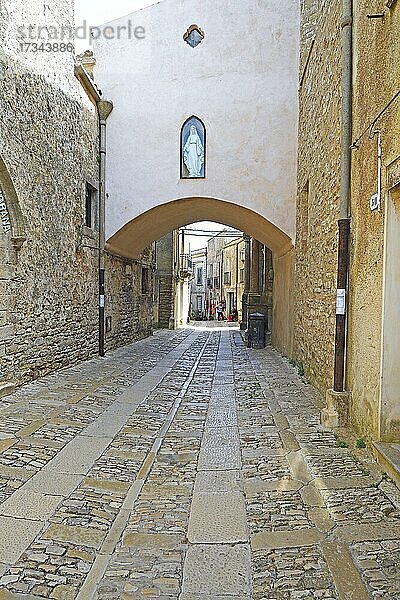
(188, 467)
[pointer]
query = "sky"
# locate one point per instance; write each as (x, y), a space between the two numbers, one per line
(194, 242)
(96, 12)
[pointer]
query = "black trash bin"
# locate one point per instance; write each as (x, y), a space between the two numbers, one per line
(257, 325)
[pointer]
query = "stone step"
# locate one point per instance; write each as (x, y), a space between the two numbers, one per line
(6, 389)
(388, 456)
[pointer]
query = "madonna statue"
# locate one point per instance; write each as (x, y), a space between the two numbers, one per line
(193, 153)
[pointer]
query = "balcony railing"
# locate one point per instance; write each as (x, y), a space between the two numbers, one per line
(186, 266)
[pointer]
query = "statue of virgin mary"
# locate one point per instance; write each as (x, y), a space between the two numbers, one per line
(193, 153)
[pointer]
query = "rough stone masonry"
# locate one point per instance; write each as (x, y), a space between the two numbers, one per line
(48, 258)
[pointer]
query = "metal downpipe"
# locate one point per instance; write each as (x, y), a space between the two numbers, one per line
(345, 193)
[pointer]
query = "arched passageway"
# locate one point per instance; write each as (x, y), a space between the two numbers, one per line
(151, 225)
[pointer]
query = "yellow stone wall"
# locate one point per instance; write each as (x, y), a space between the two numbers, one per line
(318, 191)
(376, 80)
(233, 252)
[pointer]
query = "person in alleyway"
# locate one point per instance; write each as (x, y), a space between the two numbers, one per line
(233, 315)
(212, 311)
(220, 311)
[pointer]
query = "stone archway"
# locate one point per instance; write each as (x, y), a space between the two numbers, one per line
(151, 225)
(140, 232)
(12, 236)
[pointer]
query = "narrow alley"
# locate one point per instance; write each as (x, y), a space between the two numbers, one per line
(186, 466)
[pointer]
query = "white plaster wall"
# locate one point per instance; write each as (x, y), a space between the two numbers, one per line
(241, 81)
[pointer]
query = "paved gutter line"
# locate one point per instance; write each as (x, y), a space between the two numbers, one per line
(218, 531)
(110, 542)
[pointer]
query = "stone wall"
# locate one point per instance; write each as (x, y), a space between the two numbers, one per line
(48, 258)
(165, 280)
(165, 301)
(374, 291)
(232, 265)
(48, 142)
(129, 308)
(376, 81)
(318, 191)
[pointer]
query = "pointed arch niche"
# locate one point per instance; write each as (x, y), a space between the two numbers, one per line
(12, 221)
(193, 149)
(12, 236)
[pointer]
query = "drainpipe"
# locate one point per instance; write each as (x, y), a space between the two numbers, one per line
(206, 288)
(337, 409)
(345, 191)
(104, 108)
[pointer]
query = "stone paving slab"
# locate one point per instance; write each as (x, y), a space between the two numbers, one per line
(88, 537)
(79, 455)
(219, 481)
(15, 535)
(34, 506)
(221, 417)
(220, 450)
(347, 578)
(227, 568)
(218, 518)
(151, 540)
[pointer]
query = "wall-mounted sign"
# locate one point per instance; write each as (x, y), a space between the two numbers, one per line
(341, 302)
(4, 215)
(375, 202)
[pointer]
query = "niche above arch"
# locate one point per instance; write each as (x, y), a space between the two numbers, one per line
(193, 149)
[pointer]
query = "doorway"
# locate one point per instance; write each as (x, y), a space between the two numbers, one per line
(231, 302)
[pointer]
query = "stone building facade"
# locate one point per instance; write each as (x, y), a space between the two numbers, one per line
(373, 349)
(374, 317)
(232, 272)
(49, 153)
(218, 268)
(198, 285)
(165, 284)
(318, 191)
(240, 274)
